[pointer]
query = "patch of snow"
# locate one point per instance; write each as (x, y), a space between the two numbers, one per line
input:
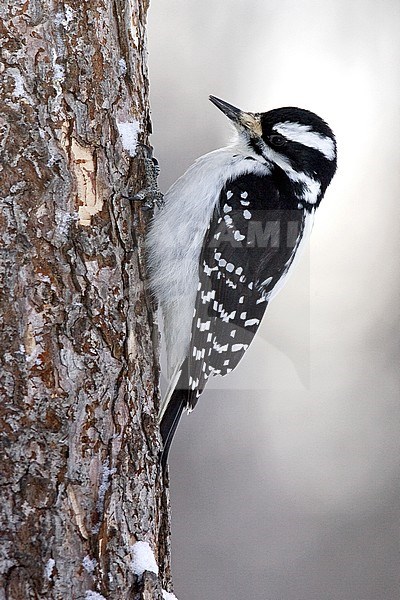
(143, 559)
(129, 133)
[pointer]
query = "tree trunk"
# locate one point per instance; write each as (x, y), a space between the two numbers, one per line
(81, 481)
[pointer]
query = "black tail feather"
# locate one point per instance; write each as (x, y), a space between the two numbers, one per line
(170, 421)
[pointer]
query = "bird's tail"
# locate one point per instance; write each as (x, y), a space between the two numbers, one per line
(170, 420)
(172, 410)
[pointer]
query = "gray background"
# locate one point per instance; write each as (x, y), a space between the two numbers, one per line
(285, 477)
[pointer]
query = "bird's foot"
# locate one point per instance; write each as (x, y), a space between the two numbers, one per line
(151, 195)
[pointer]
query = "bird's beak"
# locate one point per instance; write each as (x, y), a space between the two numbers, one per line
(249, 121)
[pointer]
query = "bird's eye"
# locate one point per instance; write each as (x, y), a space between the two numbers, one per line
(277, 140)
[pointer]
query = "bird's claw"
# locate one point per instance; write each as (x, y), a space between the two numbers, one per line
(151, 196)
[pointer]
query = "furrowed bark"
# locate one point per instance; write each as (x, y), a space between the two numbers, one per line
(80, 475)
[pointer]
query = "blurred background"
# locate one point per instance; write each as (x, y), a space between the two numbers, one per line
(284, 480)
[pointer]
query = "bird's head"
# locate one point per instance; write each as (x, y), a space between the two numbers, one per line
(293, 139)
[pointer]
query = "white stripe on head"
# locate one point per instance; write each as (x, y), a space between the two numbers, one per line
(296, 132)
(312, 187)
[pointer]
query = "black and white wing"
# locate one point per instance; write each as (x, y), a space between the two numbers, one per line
(250, 245)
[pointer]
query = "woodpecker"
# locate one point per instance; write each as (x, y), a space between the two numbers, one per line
(229, 232)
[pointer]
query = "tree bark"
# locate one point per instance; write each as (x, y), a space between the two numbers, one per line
(80, 475)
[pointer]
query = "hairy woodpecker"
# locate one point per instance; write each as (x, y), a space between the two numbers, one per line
(225, 240)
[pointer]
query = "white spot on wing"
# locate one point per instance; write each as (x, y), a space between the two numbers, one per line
(266, 282)
(227, 317)
(237, 347)
(208, 296)
(230, 284)
(238, 236)
(208, 270)
(218, 348)
(203, 326)
(228, 220)
(247, 214)
(251, 322)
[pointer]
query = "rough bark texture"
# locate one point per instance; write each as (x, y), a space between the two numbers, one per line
(80, 475)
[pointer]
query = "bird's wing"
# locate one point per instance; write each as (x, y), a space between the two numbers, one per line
(250, 245)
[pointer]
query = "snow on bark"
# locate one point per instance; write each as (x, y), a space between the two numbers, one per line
(143, 559)
(81, 481)
(129, 133)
